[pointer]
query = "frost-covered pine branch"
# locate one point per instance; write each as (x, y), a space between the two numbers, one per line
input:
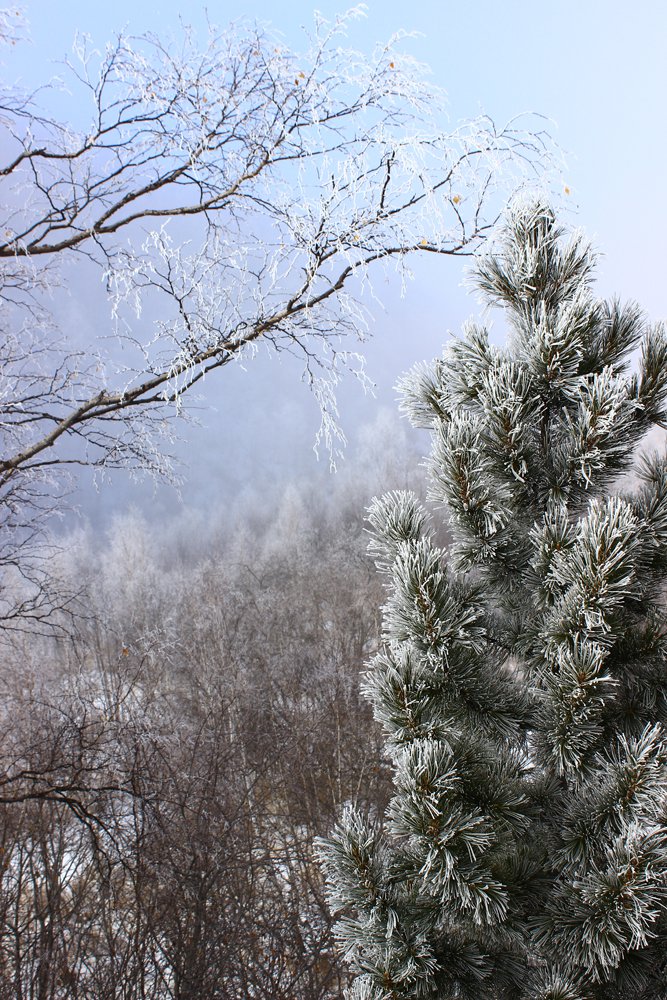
(522, 682)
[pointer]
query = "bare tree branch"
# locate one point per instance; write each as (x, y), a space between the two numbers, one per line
(237, 194)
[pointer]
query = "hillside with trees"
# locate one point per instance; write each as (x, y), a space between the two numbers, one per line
(170, 755)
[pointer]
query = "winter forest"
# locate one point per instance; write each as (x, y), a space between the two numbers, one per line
(388, 728)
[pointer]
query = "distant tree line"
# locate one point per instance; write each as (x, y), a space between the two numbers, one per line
(167, 764)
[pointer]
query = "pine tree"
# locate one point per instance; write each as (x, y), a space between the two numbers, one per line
(522, 681)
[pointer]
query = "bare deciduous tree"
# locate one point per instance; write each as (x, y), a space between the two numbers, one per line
(238, 194)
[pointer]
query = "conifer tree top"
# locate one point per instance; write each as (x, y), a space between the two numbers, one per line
(522, 680)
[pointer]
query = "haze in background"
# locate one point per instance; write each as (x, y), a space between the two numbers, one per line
(596, 70)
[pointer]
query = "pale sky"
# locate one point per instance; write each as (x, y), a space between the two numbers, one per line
(595, 68)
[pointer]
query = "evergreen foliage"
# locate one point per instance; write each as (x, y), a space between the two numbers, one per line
(522, 681)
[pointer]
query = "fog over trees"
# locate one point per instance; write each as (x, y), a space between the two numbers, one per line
(168, 762)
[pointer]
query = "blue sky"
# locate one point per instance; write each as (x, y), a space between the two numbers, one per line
(596, 69)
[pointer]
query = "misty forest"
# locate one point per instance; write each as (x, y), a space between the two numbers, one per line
(388, 732)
